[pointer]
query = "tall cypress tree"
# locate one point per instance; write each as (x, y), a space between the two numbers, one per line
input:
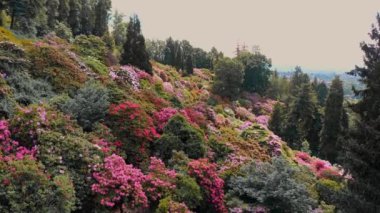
(52, 13)
(64, 11)
(87, 16)
(332, 128)
(301, 118)
(74, 20)
(134, 47)
(102, 13)
(363, 150)
(276, 120)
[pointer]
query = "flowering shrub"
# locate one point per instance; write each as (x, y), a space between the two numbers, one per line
(168, 87)
(119, 184)
(29, 122)
(244, 114)
(207, 177)
(26, 187)
(263, 120)
(159, 181)
(321, 168)
(134, 127)
(11, 148)
(130, 119)
(163, 116)
(195, 116)
(52, 63)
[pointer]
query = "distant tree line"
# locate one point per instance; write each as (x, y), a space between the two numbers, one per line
(38, 17)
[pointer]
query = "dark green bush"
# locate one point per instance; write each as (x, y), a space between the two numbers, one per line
(179, 135)
(89, 105)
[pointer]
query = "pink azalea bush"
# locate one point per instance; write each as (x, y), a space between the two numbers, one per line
(160, 180)
(10, 148)
(168, 87)
(263, 120)
(207, 177)
(244, 114)
(320, 168)
(162, 117)
(119, 184)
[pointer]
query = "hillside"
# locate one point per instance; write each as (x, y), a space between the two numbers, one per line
(81, 133)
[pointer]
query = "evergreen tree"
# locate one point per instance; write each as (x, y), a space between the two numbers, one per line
(301, 118)
(64, 11)
(52, 12)
(169, 52)
(257, 72)
(229, 76)
(322, 91)
(363, 150)
(276, 120)
(74, 20)
(298, 79)
(87, 16)
(332, 122)
(28, 16)
(189, 65)
(102, 10)
(119, 32)
(134, 48)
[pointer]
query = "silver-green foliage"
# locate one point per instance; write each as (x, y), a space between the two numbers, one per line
(272, 185)
(89, 105)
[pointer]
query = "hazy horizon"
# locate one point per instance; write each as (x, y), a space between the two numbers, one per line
(318, 36)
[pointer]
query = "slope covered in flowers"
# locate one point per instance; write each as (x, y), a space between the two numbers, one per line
(89, 134)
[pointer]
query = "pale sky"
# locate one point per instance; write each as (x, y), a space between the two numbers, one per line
(314, 34)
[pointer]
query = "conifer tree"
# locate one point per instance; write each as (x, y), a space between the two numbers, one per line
(119, 32)
(134, 48)
(102, 10)
(276, 121)
(189, 65)
(74, 19)
(363, 150)
(169, 52)
(301, 118)
(64, 11)
(52, 12)
(322, 91)
(87, 16)
(332, 128)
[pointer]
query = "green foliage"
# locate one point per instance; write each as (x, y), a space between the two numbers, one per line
(179, 135)
(63, 31)
(27, 188)
(276, 121)
(71, 155)
(119, 32)
(134, 47)
(102, 13)
(188, 191)
(221, 151)
(229, 76)
(302, 118)
(363, 147)
(96, 65)
(272, 185)
(89, 105)
(256, 72)
(27, 90)
(90, 46)
(58, 68)
(332, 124)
